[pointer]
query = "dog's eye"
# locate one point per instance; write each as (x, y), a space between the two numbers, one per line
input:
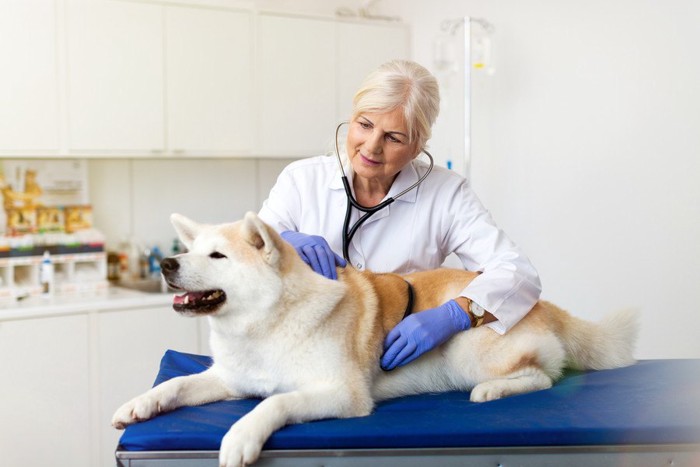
(217, 255)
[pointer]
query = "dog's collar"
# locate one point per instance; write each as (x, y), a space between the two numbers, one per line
(411, 295)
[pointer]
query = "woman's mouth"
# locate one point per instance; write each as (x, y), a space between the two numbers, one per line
(369, 162)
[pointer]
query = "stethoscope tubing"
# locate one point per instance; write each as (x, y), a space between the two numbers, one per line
(349, 232)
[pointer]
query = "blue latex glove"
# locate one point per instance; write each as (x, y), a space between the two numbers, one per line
(316, 252)
(421, 332)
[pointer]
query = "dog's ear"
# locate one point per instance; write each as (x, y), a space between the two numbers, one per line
(186, 229)
(261, 236)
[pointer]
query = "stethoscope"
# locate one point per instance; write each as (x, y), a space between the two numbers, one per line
(349, 232)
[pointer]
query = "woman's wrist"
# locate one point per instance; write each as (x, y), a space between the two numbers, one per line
(465, 304)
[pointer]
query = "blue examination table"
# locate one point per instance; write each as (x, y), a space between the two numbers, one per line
(645, 414)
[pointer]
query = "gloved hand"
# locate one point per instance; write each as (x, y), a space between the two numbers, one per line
(421, 332)
(316, 252)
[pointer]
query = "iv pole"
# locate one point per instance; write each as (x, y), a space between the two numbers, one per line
(461, 32)
(467, 38)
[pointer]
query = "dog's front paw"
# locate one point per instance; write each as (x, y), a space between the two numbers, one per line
(136, 410)
(239, 448)
(488, 391)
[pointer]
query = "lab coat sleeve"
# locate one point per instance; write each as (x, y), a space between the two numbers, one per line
(508, 286)
(282, 209)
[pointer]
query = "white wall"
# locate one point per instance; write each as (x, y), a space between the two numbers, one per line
(586, 149)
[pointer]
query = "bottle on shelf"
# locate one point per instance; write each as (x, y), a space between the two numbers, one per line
(123, 252)
(46, 274)
(154, 258)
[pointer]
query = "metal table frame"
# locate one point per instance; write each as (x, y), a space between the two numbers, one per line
(534, 456)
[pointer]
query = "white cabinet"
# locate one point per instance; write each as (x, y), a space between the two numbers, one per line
(123, 78)
(63, 376)
(45, 393)
(296, 85)
(209, 81)
(309, 71)
(146, 79)
(361, 49)
(115, 77)
(130, 346)
(29, 119)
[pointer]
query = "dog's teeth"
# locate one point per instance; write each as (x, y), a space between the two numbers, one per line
(186, 300)
(213, 296)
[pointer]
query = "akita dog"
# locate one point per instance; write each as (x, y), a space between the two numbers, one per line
(311, 346)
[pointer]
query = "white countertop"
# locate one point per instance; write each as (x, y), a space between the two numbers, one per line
(112, 298)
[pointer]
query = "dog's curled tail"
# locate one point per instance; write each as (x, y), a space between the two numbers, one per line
(604, 345)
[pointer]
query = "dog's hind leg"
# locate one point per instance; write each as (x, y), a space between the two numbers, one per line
(182, 391)
(525, 380)
(244, 441)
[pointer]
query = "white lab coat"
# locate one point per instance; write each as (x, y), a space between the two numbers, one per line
(417, 232)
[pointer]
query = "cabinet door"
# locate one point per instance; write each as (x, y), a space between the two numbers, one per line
(28, 80)
(209, 81)
(115, 76)
(361, 49)
(130, 346)
(44, 395)
(296, 86)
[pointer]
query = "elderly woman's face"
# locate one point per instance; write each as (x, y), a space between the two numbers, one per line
(378, 146)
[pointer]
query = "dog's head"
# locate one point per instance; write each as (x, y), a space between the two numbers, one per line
(227, 266)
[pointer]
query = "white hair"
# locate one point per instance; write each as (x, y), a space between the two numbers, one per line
(402, 84)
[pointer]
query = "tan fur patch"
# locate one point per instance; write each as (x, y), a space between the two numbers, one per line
(433, 288)
(528, 360)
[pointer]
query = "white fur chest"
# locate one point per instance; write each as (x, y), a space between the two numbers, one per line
(279, 362)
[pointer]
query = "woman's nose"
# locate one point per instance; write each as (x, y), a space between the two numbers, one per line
(373, 143)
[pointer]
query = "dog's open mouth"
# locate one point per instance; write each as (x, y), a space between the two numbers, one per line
(207, 301)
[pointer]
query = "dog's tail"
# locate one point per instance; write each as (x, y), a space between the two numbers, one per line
(598, 346)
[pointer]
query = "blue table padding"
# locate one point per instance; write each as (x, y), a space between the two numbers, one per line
(651, 402)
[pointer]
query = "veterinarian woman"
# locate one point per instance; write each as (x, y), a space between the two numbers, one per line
(392, 116)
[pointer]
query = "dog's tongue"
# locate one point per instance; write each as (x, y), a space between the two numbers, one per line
(188, 297)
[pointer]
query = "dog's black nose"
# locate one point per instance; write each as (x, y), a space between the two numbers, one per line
(169, 265)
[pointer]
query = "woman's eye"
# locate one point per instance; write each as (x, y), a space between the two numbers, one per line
(393, 139)
(365, 125)
(217, 255)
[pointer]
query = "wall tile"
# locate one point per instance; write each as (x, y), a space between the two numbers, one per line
(135, 197)
(109, 183)
(206, 190)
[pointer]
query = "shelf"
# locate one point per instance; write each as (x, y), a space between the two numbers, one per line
(73, 272)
